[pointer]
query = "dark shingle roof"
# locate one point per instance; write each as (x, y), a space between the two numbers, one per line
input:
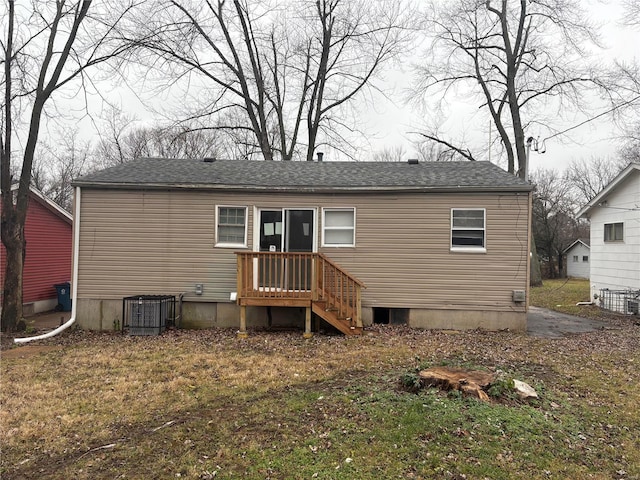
(585, 241)
(304, 176)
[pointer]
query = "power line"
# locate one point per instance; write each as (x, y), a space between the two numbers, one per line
(591, 119)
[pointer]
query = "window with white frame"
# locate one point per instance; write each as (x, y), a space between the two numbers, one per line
(575, 258)
(338, 227)
(468, 229)
(585, 258)
(231, 226)
(613, 232)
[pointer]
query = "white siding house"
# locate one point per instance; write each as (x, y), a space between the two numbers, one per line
(578, 254)
(615, 241)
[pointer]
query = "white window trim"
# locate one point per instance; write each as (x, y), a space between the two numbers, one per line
(246, 223)
(457, 249)
(324, 226)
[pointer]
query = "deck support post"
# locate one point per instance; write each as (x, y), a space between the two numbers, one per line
(307, 323)
(242, 333)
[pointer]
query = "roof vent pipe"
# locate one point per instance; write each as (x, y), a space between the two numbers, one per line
(209, 159)
(320, 155)
(412, 161)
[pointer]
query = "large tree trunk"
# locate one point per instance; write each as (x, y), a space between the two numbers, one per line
(14, 243)
(535, 277)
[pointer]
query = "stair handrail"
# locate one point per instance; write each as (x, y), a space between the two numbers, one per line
(344, 296)
(343, 270)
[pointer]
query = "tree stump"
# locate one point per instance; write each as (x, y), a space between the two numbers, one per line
(469, 382)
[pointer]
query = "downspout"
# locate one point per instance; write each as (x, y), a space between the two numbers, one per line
(74, 280)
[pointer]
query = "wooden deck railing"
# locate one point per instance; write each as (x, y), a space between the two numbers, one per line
(275, 275)
(299, 276)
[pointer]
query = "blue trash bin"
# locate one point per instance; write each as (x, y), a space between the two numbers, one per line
(64, 296)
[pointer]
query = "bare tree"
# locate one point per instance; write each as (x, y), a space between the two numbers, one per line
(118, 142)
(389, 154)
(57, 166)
(46, 48)
(554, 224)
(630, 150)
(518, 57)
(626, 79)
(587, 178)
(122, 140)
(632, 13)
(286, 67)
(429, 151)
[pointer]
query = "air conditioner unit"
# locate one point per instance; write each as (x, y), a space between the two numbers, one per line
(632, 307)
(147, 314)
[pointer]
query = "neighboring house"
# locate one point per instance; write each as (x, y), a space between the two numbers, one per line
(433, 245)
(615, 241)
(48, 234)
(577, 255)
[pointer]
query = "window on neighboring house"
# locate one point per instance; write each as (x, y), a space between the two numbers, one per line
(585, 258)
(613, 232)
(338, 227)
(575, 258)
(231, 226)
(468, 229)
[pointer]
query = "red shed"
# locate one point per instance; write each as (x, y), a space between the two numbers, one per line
(48, 232)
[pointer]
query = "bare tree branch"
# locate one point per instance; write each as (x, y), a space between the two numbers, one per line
(519, 57)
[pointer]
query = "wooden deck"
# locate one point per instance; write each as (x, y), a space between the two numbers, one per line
(304, 279)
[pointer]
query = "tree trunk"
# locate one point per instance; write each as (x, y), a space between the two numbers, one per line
(535, 277)
(14, 243)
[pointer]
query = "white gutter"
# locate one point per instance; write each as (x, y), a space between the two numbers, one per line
(74, 280)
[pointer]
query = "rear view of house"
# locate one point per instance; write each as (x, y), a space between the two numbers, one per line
(251, 243)
(47, 262)
(615, 242)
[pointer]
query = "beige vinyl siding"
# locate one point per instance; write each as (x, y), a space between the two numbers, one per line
(403, 253)
(152, 242)
(135, 242)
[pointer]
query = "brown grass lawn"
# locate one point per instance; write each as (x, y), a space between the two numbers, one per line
(203, 405)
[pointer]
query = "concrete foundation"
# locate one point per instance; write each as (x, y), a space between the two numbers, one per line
(198, 315)
(107, 315)
(39, 306)
(94, 314)
(99, 314)
(367, 316)
(467, 320)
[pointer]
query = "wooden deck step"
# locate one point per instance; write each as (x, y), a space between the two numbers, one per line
(342, 324)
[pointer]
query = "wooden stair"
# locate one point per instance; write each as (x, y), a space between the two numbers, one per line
(330, 315)
(300, 279)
